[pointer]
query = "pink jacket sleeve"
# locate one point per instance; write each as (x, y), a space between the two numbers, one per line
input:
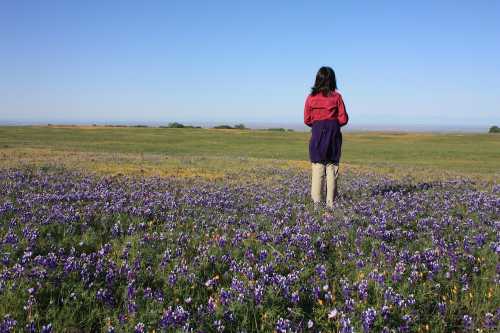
(343, 118)
(307, 113)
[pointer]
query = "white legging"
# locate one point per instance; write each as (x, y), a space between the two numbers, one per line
(318, 172)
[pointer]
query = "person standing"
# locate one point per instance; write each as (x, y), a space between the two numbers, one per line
(325, 113)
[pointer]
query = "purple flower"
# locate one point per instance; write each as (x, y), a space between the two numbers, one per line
(132, 307)
(174, 317)
(258, 293)
(321, 271)
(295, 297)
(139, 328)
(490, 321)
(345, 325)
(8, 324)
(405, 326)
(468, 322)
(385, 312)
(262, 255)
(363, 289)
(225, 296)
(283, 325)
(442, 308)
(368, 317)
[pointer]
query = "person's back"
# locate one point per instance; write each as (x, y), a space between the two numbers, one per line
(320, 107)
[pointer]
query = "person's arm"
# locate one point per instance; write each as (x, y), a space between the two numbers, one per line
(343, 117)
(307, 113)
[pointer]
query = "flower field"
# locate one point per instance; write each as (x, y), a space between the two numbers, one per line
(87, 252)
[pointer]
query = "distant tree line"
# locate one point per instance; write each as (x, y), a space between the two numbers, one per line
(237, 126)
(179, 125)
(494, 129)
(242, 126)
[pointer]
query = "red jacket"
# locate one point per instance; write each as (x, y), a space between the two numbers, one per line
(319, 107)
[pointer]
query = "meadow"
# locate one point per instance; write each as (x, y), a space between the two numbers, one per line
(200, 230)
(215, 152)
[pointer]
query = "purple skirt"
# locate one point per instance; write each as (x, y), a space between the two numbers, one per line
(326, 142)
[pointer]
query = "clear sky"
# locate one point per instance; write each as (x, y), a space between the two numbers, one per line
(397, 62)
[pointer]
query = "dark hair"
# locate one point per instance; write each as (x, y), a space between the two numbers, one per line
(325, 83)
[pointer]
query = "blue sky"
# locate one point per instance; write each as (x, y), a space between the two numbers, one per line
(397, 62)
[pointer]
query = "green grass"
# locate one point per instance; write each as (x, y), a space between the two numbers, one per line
(468, 154)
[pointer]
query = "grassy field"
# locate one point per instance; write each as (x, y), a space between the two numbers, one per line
(213, 153)
(242, 247)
